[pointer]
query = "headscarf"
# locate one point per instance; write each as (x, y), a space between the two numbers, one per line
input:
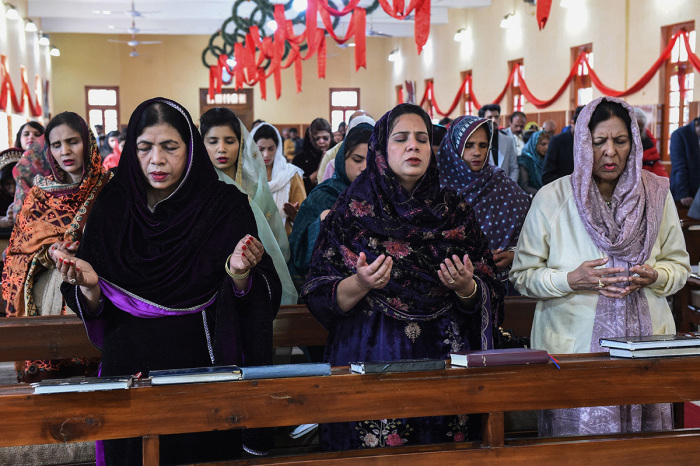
(32, 163)
(499, 203)
(8, 160)
(626, 232)
(250, 167)
(322, 197)
(251, 177)
(282, 173)
(153, 254)
(376, 215)
(533, 161)
(55, 210)
(309, 159)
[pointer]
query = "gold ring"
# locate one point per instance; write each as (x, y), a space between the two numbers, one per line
(451, 282)
(381, 280)
(600, 284)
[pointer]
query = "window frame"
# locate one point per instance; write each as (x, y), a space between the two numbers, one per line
(102, 108)
(345, 110)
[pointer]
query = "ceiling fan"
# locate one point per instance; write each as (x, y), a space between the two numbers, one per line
(134, 13)
(133, 30)
(133, 42)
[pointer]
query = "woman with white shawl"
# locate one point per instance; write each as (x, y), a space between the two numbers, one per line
(285, 180)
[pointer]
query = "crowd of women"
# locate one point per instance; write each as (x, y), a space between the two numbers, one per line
(181, 255)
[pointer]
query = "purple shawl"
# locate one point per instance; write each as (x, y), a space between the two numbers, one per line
(626, 233)
(499, 203)
(376, 215)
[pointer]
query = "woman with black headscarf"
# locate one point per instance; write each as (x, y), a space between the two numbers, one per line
(170, 273)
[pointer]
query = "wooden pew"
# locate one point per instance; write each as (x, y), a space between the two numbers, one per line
(58, 337)
(74, 417)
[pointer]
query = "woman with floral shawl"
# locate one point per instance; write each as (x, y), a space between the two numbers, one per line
(189, 285)
(55, 210)
(401, 270)
(498, 202)
(531, 162)
(351, 159)
(238, 162)
(601, 249)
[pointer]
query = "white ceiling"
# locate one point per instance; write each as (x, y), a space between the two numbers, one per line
(195, 16)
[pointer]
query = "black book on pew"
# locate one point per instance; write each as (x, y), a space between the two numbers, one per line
(401, 365)
(195, 375)
(82, 384)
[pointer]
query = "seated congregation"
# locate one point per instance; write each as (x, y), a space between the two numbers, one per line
(181, 255)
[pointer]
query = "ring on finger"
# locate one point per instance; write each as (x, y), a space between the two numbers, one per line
(381, 280)
(450, 281)
(600, 283)
(72, 281)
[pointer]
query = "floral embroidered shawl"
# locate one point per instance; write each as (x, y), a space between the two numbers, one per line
(55, 209)
(376, 215)
(499, 203)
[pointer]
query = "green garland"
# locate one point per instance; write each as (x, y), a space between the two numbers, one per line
(261, 14)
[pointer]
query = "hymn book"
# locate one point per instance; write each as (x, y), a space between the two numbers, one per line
(195, 375)
(82, 384)
(402, 365)
(499, 357)
(650, 342)
(655, 352)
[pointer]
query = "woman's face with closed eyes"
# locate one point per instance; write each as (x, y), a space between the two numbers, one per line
(408, 149)
(476, 149)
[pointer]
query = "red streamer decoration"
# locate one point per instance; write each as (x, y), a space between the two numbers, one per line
(421, 23)
(429, 94)
(543, 7)
(7, 89)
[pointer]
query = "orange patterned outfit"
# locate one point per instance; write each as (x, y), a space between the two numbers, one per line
(54, 210)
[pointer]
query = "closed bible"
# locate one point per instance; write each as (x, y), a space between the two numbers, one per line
(499, 357)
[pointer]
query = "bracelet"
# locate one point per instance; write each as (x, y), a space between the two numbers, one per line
(476, 285)
(233, 275)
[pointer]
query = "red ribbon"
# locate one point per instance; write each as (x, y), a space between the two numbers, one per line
(644, 80)
(7, 89)
(348, 8)
(421, 22)
(543, 7)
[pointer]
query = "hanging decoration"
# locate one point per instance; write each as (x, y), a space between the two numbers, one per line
(244, 55)
(543, 7)
(465, 88)
(7, 89)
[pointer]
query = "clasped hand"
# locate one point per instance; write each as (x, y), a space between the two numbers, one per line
(247, 254)
(604, 281)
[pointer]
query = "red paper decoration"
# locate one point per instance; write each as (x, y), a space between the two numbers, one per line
(7, 89)
(636, 87)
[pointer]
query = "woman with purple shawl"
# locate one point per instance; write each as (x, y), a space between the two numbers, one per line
(401, 270)
(498, 202)
(170, 274)
(602, 249)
